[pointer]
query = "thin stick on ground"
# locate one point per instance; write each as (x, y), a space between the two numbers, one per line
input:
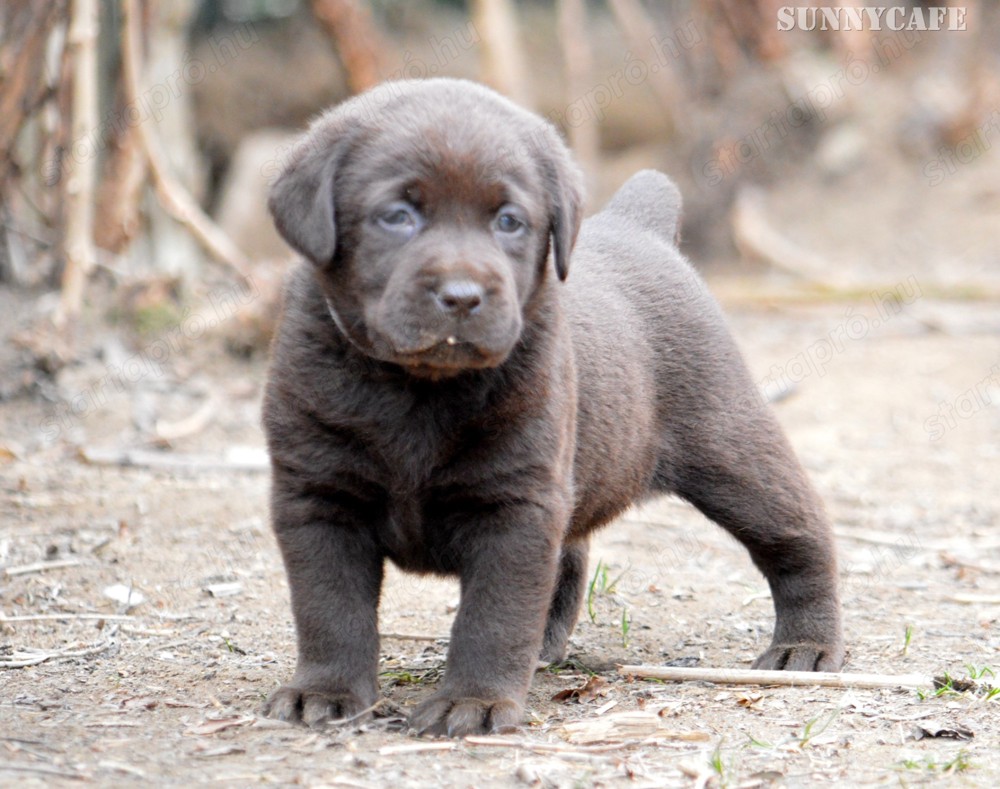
(67, 618)
(43, 770)
(975, 599)
(40, 567)
(171, 193)
(494, 741)
(412, 637)
(32, 657)
(824, 679)
(417, 747)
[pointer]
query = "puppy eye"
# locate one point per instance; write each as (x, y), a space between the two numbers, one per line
(399, 218)
(508, 222)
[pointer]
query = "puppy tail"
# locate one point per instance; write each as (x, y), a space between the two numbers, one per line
(653, 201)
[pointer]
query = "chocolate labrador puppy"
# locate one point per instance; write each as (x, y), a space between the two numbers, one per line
(439, 397)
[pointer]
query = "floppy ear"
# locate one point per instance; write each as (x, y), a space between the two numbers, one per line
(301, 202)
(565, 187)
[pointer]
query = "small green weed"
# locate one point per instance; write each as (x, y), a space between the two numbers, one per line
(817, 726)
(960, 763)
(715, 761)
(404, 676)
(973, 685)
(600, 584)
(907, 637)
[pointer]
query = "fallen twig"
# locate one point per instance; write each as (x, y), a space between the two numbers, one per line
(908, 541)
(65, 617)
(244, 459)
(737, 292)
(824, 679)
(121, 767)
(635, 726)
(978, 566)
(412, 637)
(417, 747)
(40, 567)
(756, 238)
(548, 747)
(41, 768)
(975, 599)
(191, 424)
(32, 657)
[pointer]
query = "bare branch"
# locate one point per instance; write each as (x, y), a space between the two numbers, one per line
(171, 193)
(357, 40)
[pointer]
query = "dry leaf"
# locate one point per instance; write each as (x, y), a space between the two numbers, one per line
(934, 729)
(594, 687)
(748, 700)
(140, 702)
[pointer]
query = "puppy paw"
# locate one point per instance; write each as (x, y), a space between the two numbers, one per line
(801, 657)
(554, 651)
(455, 716)
(315, 708)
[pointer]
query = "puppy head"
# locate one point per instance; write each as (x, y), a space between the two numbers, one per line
(430, 209)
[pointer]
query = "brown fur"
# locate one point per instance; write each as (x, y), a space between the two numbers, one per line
(438, 398)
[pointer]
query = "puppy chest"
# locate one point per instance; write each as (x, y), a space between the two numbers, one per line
(415, 542)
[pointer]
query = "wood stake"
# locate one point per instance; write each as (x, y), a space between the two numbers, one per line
(81, 175)
(578, 67)
(504, 67)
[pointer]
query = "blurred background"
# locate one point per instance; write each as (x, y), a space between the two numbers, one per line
(138, 140)
(842, 198)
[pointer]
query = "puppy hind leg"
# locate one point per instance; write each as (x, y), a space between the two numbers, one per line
(566, 600)
(747, 479)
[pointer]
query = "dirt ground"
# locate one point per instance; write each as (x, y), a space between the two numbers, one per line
(897, 425)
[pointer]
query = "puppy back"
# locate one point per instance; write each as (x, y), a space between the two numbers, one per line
(651, 200)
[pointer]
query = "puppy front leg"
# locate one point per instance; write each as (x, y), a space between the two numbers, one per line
(508, 571)
(335, 574)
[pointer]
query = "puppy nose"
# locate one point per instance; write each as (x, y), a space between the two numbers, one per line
(459, 297)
